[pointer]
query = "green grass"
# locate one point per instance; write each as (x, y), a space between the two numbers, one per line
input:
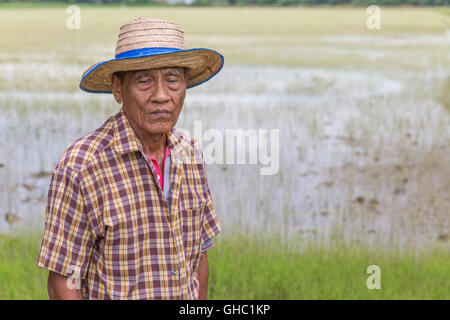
(263, 268)
(19, 276)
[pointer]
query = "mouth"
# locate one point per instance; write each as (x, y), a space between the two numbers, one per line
(160, 113)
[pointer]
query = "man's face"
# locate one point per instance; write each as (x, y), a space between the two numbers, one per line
(153, 98)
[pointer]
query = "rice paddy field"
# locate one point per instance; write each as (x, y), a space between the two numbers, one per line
(364, 142)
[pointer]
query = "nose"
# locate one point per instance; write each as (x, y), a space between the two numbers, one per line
(160, 95)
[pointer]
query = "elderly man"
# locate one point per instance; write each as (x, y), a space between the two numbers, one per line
(129, 212)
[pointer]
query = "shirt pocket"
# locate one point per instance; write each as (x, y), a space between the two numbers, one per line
(192, 213)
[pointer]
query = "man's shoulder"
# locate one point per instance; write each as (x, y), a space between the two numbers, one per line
(184, 138)
(189, 145)
(81, 151)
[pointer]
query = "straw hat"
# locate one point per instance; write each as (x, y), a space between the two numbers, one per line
(146, 43)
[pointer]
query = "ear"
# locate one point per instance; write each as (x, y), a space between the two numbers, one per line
(117, 88)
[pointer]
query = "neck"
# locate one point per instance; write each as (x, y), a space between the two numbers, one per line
(153, 143)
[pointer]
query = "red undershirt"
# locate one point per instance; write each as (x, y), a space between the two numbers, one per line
(158, 170)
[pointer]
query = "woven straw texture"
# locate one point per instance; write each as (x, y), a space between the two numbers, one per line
(142, 33)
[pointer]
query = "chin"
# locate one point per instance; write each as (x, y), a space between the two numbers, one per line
(159, 128)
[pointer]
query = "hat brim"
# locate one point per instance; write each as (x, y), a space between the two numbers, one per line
(202, 65)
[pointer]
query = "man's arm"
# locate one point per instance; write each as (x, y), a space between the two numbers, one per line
(203, 274)
(58, 289)
(68, 241)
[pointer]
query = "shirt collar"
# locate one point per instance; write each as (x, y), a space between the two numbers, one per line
(166, 154)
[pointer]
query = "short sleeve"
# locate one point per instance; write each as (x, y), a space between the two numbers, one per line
(68, 241)
(207, 245)
(211, 226)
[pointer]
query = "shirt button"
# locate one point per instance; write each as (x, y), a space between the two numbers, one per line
(174, 272)
(159, 178)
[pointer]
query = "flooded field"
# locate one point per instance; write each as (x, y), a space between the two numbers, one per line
(364, 133)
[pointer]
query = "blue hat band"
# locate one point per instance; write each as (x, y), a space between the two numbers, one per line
(146, 52)
(136, 53)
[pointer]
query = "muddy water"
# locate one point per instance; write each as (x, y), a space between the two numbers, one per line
(364, 156)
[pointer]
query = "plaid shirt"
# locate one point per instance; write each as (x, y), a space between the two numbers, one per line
(108, 222)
